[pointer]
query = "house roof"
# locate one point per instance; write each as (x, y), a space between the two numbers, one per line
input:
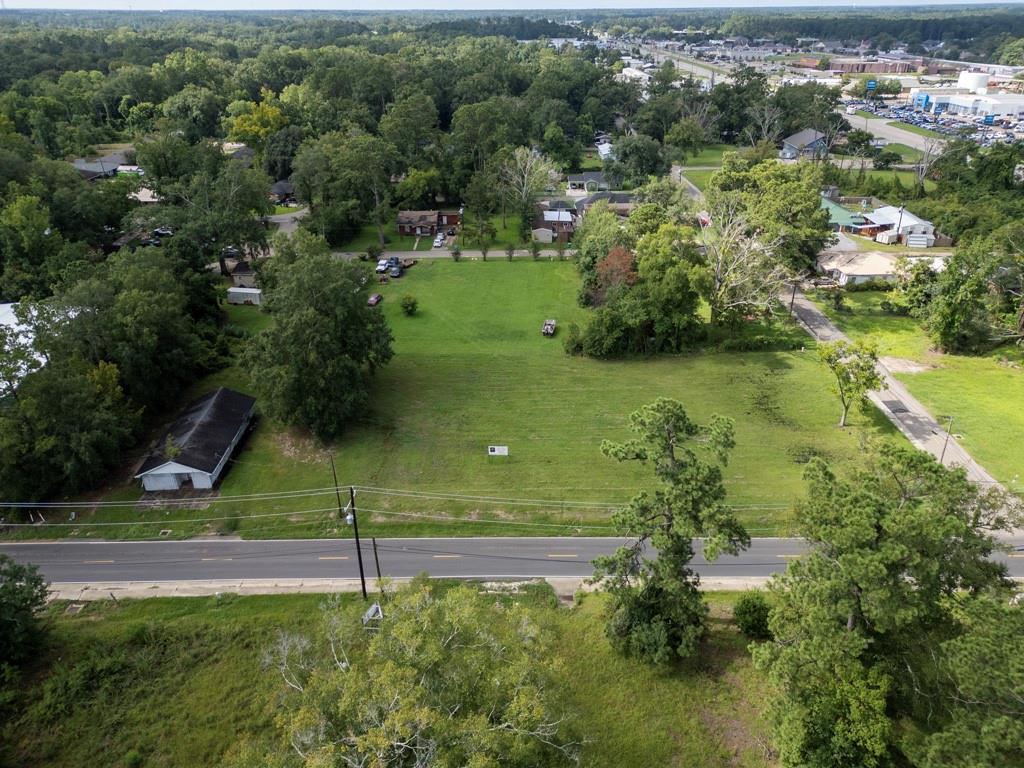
(283, 187)
(893, 216)
(872, 263)
(558, 215)
(804, 138)
(612, 198)
(840, 216)
(586, 177)
(204, 432)
(417, 218)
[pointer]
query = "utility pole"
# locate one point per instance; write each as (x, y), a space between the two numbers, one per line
(376, 560)
(946, 441)
(355, 528)
(351, 520)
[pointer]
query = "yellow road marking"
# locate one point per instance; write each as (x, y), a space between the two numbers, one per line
(96, 562)
(443, 557)
(333, 557)
(1018, 554)
(553, 554)
(788, 557)
(208, 559)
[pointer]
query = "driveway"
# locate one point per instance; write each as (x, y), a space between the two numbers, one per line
(288, 222)
(901, 408)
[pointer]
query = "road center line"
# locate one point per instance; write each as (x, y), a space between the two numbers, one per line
(333, 557)
(217, 559)
(788, 557)
(554, 554)
(446, 557)
(96, 562)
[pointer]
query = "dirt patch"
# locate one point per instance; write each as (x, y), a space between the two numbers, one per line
(297, 446)
(902, 365)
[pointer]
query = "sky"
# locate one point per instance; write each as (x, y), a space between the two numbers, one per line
(392, 5)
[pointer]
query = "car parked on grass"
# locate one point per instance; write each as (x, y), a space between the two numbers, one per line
(375, 299)
(382, 266)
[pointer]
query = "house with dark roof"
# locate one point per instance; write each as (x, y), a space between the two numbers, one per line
(588, 181)
(621, 203)
(805, 143)
(282, 190)
(427, 222)
(196, 448)
(101, 167)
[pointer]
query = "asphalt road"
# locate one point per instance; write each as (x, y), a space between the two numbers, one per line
(197, 560)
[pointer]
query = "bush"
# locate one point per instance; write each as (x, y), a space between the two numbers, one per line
(374, 251)
(535, 249)
(751, 614)
(22, 596)
(409, 304)
(573, 343)
(456, 252)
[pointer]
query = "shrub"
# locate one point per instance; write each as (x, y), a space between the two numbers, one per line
(535, 249)
(409, 304)
(374, 251)
(573, 343)
(456, 252)
(22, 595)
(510, 251)
(751, 614)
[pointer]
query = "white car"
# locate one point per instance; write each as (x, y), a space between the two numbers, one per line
(382, 265)
(439, 241)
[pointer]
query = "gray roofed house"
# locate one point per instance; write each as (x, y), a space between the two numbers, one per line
(282, 189)
(805, 143)
(101, 167)
(243, 275)
(619, 202)
(591, 181)
(201, 440)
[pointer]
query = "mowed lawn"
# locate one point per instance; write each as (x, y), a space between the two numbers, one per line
(471, 370)
(179, 682)
(984, 394)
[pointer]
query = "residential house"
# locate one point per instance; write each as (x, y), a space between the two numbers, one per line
(423, 223)
(195, 449)
(841, 218)
(243, 275)
(890, 224)
(555, 223)
(281, 191)
(588, 181)
(102, 167)
(854, 267)
(621, 203)
(805, 143)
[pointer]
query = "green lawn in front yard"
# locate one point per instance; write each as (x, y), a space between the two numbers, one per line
(177, 682)
(472, 369)
(983, 394)
(506, 232)
(591, 162)
(710, 155)
(908, 179)
(393, 241)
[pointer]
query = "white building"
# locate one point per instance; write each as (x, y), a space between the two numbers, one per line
(197, 446)
(242, 295)
(852, 268)
(900, 224)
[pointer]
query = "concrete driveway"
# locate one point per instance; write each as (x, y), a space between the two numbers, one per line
(288, 222)
(896, 402)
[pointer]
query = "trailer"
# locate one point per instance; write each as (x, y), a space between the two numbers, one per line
(548, 328)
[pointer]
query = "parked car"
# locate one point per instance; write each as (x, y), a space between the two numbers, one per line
(231, 252)
(451, 231)
(382, 265)
(151, 241)
(395, 271)
(375, 299)
(163, 232)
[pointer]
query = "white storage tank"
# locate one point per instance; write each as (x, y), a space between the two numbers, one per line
(972, 81)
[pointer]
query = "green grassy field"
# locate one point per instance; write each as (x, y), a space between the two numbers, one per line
(506, 232)
(919, 130)
(394, 242)
(169, 683)
(982, 394)
(699, 179)
(710, 155)
(471, 370)
(909, 154)
(908, 179)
